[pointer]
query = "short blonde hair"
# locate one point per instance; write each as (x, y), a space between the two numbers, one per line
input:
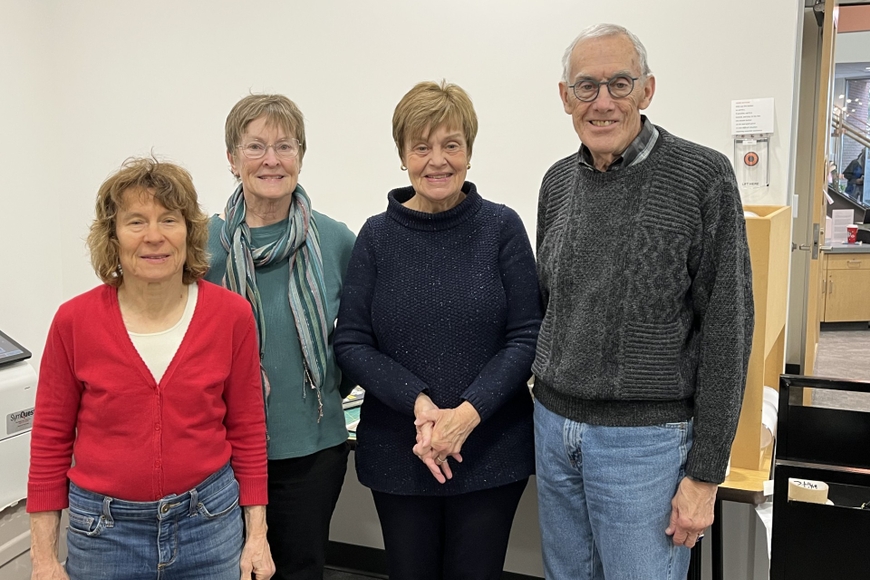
(172, 187)
(277, 109)
(429, 105)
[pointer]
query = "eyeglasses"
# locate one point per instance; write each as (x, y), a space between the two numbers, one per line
(619, 87)
(283, 149)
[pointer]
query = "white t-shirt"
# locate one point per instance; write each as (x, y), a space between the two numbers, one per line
(158, 349)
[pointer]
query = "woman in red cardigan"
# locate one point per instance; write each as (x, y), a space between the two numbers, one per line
(152, 382)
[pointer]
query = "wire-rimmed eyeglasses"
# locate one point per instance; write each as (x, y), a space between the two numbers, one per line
(619, 87)
(287, 149)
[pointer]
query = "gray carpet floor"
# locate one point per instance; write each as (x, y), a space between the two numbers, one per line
(843, 354)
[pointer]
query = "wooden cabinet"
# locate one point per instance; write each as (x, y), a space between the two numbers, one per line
(847, 288)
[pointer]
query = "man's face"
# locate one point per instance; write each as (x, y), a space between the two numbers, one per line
(606, 125)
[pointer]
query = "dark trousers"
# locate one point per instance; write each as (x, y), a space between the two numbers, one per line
(303, 492)
(448, 538)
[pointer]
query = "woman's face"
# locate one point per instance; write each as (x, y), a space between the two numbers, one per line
(152, 240)
(437, 163)
(269, 178)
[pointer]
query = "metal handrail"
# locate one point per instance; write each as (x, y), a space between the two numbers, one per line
(846, 117)
(844, 124)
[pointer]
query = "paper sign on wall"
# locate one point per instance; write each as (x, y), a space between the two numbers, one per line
(841, 219)
(752, 116)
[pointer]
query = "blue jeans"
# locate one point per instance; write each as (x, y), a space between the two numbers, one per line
(197, 535)
(604, 498)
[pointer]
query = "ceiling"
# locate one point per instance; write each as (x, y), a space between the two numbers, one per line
(853, 18)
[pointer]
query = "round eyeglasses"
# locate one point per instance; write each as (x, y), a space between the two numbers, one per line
(283, 149)
(619, 87)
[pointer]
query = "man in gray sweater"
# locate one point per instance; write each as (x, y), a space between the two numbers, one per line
(642, 356)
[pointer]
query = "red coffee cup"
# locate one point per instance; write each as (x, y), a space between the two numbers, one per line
(853, 233)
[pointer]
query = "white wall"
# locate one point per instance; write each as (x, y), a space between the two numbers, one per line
(852, 47)
(31, 281)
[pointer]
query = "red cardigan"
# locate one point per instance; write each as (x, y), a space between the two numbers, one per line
(134, 439)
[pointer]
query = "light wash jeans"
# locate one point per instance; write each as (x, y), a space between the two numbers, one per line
(604, 498)
(197, 535)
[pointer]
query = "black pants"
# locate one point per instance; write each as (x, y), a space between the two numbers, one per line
(303, 492)
(448, 538)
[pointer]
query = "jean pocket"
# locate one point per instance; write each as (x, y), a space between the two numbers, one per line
(85, 525)
(220, 503)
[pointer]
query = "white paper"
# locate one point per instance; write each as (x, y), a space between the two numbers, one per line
(840, 219)
(752, 116)
(765, 514)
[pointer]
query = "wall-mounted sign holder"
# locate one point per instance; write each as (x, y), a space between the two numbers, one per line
(752, 160)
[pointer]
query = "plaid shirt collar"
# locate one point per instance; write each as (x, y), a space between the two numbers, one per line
(636, 152)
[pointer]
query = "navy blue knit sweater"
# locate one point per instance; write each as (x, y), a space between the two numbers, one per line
(447, 303)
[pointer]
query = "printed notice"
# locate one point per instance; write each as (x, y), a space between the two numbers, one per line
(841, 218)
(752, 116)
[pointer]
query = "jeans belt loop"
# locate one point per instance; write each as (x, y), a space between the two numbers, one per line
(107, 512)
(194, 502)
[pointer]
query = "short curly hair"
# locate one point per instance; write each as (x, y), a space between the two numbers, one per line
(172, 187)
(428, 106)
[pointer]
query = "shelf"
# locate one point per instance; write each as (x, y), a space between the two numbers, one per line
(769, 237)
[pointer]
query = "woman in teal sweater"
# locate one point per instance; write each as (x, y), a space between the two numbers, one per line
(288, 261)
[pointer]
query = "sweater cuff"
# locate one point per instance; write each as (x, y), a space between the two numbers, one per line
(253, 490)
(47, 497)
(479, 404)
(707, 462)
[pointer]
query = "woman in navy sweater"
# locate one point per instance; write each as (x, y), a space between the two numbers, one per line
(438, 322)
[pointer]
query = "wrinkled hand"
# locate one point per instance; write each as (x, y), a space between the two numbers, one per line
(437, 465)
(452, 428)
(49, 571)
(692, 511)
(422, 405)
(256, 560)
(441, 434)
(44, 533)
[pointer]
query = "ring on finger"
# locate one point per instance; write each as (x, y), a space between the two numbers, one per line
(439, 461)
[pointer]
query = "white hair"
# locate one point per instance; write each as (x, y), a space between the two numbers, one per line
(600, 31)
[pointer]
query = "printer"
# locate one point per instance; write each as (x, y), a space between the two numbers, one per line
(17, 400)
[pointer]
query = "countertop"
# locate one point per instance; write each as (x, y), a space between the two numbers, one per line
(846, 249)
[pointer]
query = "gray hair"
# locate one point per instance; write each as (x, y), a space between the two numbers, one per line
(600, 31)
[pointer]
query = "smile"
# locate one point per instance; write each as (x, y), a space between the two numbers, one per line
(602, 123)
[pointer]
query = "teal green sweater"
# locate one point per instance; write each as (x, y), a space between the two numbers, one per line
(293, 427)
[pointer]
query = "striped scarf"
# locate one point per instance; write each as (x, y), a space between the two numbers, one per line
(300, 243)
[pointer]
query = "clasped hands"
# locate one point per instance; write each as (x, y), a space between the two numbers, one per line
(441, 433)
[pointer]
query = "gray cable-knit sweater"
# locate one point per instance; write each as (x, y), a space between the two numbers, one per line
(648, 289)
